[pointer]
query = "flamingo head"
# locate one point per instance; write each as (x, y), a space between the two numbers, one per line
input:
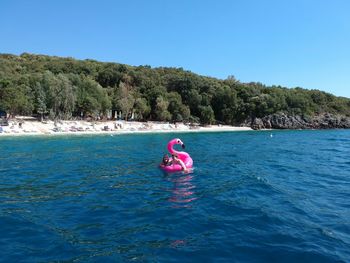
(177, 141)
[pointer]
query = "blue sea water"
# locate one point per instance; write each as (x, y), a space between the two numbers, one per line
(268, 196)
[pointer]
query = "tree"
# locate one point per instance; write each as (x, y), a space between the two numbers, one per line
(225, 105)
(64, 96)
(125, 100)
(206, 115)
(110, 75)
(15, 100)
(177, 109)
(92, 99)
(161, 111)
(297, 102)
(194, 102)
(40, 100)
(151, 95)
(142, 109)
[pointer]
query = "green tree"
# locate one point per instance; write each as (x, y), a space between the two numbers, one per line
(161, 111)
(177, 109)
(206, 115)
(40, 100)
(64, 102)
(125, 99)
(142, 109)
(92, 99)
(110, 75)
(15, 100)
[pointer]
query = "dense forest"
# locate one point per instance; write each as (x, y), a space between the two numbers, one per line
(66, 88)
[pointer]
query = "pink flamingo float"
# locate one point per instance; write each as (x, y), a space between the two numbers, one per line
(183, 156)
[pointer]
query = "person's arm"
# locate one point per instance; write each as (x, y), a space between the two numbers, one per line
(182, 164)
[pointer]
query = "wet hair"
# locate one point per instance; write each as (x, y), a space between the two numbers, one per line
(165, 158)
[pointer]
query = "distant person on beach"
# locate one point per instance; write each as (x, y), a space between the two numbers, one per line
(176, 160)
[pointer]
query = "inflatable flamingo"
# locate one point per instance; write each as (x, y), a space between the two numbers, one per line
(183, 156)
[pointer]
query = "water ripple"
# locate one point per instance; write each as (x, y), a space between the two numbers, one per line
(251, 198)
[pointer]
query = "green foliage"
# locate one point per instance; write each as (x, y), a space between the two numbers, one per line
(66, 88)
(142, 109)
(62, 96)
(110, 75)
(40, 100)
(178, 111)
(206, 115)
(161, 111)
(125, 99)
(92, 99)
(225, 105)
(16, 100)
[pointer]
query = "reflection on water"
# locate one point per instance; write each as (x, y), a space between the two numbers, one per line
(182, 191)
(178, 243)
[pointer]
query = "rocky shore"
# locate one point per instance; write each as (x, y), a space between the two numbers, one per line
(284, 121)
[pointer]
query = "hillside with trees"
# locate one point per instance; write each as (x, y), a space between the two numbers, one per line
(66, 88)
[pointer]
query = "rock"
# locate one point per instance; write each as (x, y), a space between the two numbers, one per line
(257, 124)
(267, 124)
(284, 121)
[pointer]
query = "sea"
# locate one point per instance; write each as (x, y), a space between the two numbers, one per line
(253, 196)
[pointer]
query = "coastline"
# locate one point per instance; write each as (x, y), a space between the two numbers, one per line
(30, 127)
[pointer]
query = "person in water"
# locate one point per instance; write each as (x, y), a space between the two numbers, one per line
(166, 161)
(176, 160)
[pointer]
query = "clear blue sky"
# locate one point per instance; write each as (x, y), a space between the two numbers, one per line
(303, 43)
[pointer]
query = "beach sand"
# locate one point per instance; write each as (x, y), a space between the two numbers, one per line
(29, 126)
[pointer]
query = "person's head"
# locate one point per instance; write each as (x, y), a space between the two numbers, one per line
(165, 158)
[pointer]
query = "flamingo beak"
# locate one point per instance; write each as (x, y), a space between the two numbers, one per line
(183, 146)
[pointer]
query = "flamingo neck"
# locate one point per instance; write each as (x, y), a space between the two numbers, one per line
(171, 149)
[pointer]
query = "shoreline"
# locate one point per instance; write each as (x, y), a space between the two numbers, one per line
(30, 127)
